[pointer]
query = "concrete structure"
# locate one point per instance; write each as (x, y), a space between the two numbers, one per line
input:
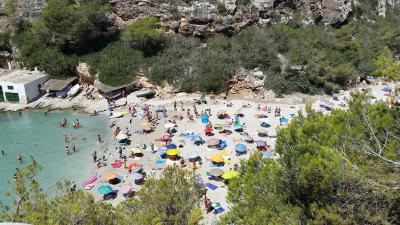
(21, 86)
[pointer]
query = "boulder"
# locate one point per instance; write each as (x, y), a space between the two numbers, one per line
(230, 6)
(245, 82)
(202, 13)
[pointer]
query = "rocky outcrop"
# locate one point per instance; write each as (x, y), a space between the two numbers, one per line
(246, 82)
(204, 17)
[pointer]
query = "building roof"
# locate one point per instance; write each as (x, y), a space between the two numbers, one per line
(107, 89)
(57, 85)
(20, 76)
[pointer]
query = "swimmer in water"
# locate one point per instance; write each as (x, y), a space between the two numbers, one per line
(19, 158)
(2, 152)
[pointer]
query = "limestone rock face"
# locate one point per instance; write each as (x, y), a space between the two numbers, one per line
(246, 82)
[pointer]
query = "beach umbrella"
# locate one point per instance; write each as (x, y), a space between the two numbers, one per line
(230, 174)
(284, 120)
(239, 111)
(145, 107)
(193, 155)
(169, 125)
(160, 108)
(241, 148)
(104, 189)
(216, 172)
(261, 143)
(166, 137)
(248, 138)
(121, 136)
(172, 152)
(237, 127)
(265, 120)
(172, 146)
(262, 131)
(196, 138)
(137, 176)
(125, 189)
(213, 141)
(136, 150)
(217, 158)
(110, 175)
(137, 169)
(133, 165)
(221, 112)
(147, 126)
(208, 130)
(217, 126)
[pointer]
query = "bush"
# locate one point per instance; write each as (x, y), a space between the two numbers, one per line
(116, 64)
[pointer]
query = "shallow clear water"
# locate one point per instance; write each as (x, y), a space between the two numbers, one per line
(38, 135)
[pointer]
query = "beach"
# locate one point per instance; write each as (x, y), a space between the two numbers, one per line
(252, 113)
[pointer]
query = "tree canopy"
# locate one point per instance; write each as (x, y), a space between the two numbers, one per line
(335, 169)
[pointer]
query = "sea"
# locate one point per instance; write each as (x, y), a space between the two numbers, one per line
(34, 133)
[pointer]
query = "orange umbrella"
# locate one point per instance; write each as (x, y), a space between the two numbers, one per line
(110, 175)
(133, 165)
(217, 158)
(147, 126)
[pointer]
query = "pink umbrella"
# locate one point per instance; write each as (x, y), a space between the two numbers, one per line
(166, 137)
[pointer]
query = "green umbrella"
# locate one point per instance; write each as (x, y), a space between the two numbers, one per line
(105, 189)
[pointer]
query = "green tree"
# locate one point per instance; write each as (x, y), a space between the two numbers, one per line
(172, 199)
(387, 67)
(145, 35)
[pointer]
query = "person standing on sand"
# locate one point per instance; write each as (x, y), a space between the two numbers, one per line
(182, 106)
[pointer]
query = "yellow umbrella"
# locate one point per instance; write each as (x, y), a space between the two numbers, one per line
(230, 174)
(173, 152)
(217, 158)
(136, 150)
(110, 176)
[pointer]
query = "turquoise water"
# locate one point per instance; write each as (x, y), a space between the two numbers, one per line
(38, 135)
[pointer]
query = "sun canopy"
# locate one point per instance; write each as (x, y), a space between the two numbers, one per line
(110, 175)
(217, 158)
(216, 172)
(137, 176)
(261, 143)
(136, 150)
(193, 155)
(173, 152)
(169, 125)
(104, 189)
(241, 148)
(230, 174)
(122, 136)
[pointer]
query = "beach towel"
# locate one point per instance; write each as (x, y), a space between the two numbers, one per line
(211, 186)
(218, 210)
(161, 162)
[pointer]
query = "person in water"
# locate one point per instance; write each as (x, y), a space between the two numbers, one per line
(99, 139)
(19, 158)
(2, 152)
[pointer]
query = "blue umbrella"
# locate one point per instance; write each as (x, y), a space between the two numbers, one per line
(137, 176)
(193, 155)
(196, 138)
(237, 127)
(241, 148)
(284, 120)
(171, 146)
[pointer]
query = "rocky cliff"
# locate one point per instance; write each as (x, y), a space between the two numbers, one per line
(205, 17)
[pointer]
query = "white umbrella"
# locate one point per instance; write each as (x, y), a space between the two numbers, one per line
(169, 125)
(122, 136)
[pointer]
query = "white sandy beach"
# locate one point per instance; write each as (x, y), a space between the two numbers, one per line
(289, 106)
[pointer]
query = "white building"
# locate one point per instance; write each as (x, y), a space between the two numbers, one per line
(21, 86)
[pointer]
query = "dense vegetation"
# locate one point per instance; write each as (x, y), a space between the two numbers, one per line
(336, 169)
(293, 57)
(172, 199)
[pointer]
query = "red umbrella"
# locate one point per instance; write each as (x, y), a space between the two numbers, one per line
(133, 165)
(208, 130)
